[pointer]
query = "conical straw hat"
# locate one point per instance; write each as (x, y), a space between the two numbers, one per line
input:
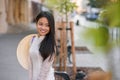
(23, 50)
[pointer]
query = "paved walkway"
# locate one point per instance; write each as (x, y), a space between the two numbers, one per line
(10, 69)
(9, 66)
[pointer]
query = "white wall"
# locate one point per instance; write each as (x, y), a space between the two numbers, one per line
(3, 23)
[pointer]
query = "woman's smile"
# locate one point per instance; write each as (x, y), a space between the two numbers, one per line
(43, 26)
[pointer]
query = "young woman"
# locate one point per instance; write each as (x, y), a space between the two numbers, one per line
(42, 49)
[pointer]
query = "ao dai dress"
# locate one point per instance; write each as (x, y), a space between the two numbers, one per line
(40, 70)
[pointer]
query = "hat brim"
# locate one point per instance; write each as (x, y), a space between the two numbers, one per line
(23, 50)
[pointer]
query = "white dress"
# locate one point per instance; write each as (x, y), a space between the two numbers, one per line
(41, 70)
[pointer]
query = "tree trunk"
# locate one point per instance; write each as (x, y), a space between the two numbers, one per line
(73, 48)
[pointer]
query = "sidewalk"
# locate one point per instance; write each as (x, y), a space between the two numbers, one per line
(10, 69)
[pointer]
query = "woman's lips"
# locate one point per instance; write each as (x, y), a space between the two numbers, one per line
(43, 31)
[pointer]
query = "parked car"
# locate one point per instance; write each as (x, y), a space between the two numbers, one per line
(92, 14)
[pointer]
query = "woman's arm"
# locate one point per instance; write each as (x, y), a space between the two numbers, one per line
(45, 68)
(30, 64)
(30, 69)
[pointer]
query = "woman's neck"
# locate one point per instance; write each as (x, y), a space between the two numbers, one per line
(39, 36)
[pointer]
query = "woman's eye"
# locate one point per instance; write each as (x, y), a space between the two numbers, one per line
(47, 25)
(40, 24)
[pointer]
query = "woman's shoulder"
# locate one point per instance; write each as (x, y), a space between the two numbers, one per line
(32, 39)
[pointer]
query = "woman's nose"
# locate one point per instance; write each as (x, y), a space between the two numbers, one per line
(43, 27)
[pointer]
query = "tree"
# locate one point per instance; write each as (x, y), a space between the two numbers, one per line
(64, 7)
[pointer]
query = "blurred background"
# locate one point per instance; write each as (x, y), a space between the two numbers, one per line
(96, 30)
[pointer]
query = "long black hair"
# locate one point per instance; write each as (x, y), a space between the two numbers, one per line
(47, 46)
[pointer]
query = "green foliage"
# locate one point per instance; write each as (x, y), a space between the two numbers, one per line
(52, 3)
(111, 15)
(64, 6)
(98, 36)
